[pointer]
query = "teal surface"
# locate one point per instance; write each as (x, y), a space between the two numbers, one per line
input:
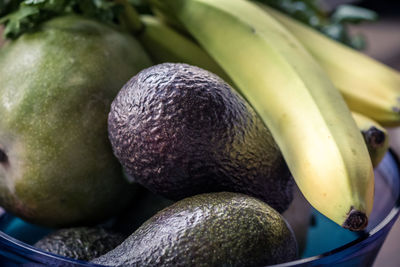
(325, 235)
(21, 230)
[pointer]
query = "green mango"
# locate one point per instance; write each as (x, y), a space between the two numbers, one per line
(56, 85)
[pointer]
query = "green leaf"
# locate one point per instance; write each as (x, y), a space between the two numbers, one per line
(353, 14)
(20, 16)
(333, 25)
(34, 2)
(18, 20)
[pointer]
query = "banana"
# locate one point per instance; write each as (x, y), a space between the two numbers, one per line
(375, 136)
(368, 86)
(165, 44)
(306, 114)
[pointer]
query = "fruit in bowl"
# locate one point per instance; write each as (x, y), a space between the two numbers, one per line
(178, 130)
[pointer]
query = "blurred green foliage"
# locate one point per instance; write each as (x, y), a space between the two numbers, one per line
(333, 24)
(20, 16)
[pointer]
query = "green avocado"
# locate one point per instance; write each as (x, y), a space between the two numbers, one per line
(81, 243)
(56, 85)
(180, 130)
(214, 229)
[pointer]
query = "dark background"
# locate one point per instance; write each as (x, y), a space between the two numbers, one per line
(387, 8)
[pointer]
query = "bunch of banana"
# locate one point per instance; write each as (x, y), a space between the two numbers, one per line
(306, 114)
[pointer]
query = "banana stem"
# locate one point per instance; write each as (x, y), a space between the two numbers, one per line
(356, 220)
(130, 18)
(375, 137)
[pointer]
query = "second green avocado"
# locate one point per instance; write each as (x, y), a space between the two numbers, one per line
(180, 130)
(215, 229)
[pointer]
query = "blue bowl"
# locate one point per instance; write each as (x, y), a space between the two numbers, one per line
(327, 244)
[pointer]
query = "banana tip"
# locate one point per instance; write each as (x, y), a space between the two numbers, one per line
(375, 137)
(356, 220)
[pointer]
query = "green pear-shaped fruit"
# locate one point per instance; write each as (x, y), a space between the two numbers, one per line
(56, 86)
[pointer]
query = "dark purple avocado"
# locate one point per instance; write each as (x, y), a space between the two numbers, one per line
(180, 130)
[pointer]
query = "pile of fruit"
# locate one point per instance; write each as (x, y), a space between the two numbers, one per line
(212, 109)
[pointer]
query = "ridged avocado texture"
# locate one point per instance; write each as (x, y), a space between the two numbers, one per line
(180, 130)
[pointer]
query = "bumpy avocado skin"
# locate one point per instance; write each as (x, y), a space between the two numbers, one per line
(56, 88)
(81, 243)
(214, 229)
(180, 130)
